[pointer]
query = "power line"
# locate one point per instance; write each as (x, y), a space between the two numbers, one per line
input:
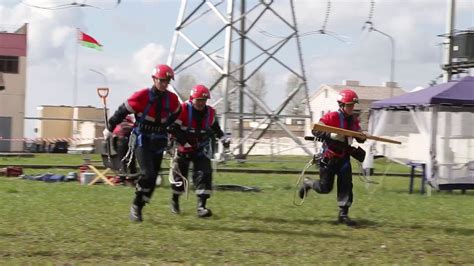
(322, 31)
(73, 4)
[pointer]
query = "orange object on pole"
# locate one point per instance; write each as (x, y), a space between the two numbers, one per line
(103, 93)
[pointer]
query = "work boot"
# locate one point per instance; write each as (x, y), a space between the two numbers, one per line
(343, 218)
(202, 211)
(305, 187)
(174, 207)
(136, 213)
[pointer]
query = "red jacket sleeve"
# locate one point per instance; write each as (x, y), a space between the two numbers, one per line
(330, 119)
(138, 101)
(174, 103)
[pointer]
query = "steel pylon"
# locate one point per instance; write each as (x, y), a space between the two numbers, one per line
(220, 28)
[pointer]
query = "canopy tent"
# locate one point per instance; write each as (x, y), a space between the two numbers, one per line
(436, 126)
(458, 93)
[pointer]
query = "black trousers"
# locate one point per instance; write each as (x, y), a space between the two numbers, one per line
(149, 157)
(202, 174)
(343, 170)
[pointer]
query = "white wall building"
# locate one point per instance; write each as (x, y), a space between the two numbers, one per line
(13, 55)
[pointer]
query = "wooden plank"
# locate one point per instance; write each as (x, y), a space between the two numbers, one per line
(351, 133)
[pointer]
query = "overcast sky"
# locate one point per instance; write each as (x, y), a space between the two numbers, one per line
(136, 35)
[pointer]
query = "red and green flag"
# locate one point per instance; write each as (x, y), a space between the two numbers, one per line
(88, 41)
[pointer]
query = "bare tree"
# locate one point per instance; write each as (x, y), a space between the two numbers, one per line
(257, 85)
(296, 106)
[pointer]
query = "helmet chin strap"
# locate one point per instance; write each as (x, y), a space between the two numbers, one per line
(341, 107)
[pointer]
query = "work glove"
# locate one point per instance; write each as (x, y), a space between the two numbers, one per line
(225, 142)
(337, 137)
(320, 136)
(107, 134)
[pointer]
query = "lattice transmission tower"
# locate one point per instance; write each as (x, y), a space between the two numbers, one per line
(228, 50)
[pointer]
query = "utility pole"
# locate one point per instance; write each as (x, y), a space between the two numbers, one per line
(242, 76)
(448, 40)
(392, 56)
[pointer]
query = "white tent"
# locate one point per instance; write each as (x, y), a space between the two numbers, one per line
(435, 126)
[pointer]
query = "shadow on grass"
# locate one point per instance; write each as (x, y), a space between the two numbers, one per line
(284, 221)
(417, 192)
(6, 234)
(460, 231)
(361, 223)
(449, 230)
(260, 230)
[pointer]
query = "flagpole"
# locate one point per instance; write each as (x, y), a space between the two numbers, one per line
(74, 90)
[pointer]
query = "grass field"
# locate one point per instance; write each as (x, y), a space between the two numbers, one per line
(254, 162)
(66, 223)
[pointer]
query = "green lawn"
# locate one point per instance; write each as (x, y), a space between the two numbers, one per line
(253, 162)
(66, 223)
(48, 159)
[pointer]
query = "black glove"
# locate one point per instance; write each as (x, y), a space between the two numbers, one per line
(358, 154)
(226, 143)
(321, 136)
(362, 139)
(177, 133)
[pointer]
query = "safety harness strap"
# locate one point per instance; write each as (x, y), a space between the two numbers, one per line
(207, 118)
(137, 129)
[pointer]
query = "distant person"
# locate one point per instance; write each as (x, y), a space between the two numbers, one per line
(155, 109)
(336, 156)
(193, 130)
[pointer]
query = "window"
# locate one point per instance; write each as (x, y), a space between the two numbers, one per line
(9, 64)
(2, 84)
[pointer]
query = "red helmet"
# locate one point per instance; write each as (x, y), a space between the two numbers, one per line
(347, 96)
(200, 92)
(163, 72)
